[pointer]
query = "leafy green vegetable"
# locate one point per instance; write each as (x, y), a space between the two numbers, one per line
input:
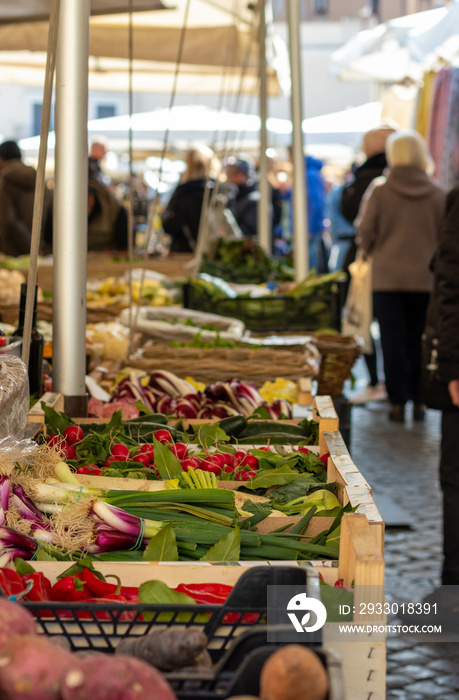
(159, 593)
(210, 434)
(56, 422)
(162, 547)
(166, 462)
(22, 567)
(334, 597)
(272, 477)
(226, 549)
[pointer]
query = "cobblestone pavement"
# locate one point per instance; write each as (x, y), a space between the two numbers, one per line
(401, 461)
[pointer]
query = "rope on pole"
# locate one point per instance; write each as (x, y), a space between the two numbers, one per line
(40, 181)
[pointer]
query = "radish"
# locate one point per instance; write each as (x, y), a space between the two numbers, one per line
(250, 461)
(163, 436)
(69, 451)
(73, 434)
(115, 678)
(180, 450)
(147, 449)
(142, 458)
(57, 441)
(192, 462)
(120, 451)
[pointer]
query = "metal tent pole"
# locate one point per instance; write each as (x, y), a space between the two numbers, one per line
(264, 204)
(71, 206)
(300, 221)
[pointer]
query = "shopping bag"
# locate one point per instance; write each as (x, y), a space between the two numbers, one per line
(358, 310)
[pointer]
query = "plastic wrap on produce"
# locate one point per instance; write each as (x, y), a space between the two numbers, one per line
(174, 324)
(107, 341)
(14, 397)
(20, 452)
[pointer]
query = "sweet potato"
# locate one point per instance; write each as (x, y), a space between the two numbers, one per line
(167, 649)
(293, 672)
(32, 668)
(14, 620)
(115, 678)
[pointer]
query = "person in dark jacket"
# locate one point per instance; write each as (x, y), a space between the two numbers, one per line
(107, 219)
(181, 217)
(444, 314)
(17, 193)
(243, 194)
(373, 146)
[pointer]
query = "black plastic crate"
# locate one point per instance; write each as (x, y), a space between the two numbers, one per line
(274, 313)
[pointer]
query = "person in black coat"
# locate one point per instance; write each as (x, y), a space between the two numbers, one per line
(444, 316)
(243, 195)
(181, 217)
(374, 147)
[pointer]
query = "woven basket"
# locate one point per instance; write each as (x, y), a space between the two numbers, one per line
(338, 355)
(219, 364)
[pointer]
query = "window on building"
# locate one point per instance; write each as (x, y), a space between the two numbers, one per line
(321, 7)
(103, 111)
(37, 109)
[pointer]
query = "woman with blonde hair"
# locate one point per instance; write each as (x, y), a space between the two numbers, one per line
(399, 227)
(182, 214)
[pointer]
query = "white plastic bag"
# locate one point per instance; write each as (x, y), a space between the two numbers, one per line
(358, 310)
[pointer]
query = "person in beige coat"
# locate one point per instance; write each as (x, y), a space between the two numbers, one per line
(399, 227)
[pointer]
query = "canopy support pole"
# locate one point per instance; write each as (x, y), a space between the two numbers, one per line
(264, 204)
(71, 206)
(300, 221)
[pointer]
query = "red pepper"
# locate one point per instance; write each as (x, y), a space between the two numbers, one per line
(97, 587)
(10, 582)
(206, 593)
(131, 593)
(70, 589)
(41, 589)
(125, 616)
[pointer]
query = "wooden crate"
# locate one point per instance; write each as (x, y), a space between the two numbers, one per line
(354, 488)
(323, 410)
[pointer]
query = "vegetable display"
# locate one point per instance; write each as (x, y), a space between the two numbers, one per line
(309, 305)
(47, 513)
(166, 393)
(127, 449)
(242, 260)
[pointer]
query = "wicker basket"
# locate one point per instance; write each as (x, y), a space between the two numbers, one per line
(248, 364)
(338, 355)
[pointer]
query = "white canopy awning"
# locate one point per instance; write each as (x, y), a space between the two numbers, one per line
(399, 48)
(193, 123)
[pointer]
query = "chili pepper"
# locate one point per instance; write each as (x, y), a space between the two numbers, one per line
(70, 589)
(97, 587)
(206, 593)
(10, 583)
(41, 589)
(109, 599)
(131, 593)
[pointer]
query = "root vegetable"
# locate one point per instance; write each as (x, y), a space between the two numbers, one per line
(32, 668)
(293, 673)
(167, 649)
(115, 678)
(14, 620)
